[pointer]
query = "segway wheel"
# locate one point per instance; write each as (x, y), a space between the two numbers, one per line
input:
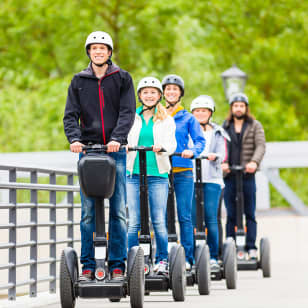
(178, 275)
(230, 265)
(225, 248)
(136, 281)
(204, 272)
(67, 294)
(265, 257)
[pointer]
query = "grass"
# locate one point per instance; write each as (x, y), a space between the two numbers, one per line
(297, 179)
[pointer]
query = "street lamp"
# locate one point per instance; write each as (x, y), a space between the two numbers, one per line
(234, 81)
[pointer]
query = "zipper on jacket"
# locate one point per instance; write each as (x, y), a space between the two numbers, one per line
(102, 102)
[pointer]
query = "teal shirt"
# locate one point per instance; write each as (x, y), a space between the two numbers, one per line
(146, 138)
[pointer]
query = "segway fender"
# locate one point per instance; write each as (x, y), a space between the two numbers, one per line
(198, 253)
(131, 258)
(172, 257)
(71, 261)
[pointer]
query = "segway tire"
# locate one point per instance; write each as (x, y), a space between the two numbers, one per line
(67, 294)
(204, 272)
(178, 275)
(230, 265)
(265, 257)
(136, 281)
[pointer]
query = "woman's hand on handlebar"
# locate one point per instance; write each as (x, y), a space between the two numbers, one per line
(76, 147)
(225, 167)
(211, 156)
(156, 148)
(113, 146)
(187, 154)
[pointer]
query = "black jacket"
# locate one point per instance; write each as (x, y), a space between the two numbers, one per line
(100, 110)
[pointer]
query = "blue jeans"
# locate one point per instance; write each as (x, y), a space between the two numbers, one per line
(117, 244)
(249, 189)
(211, 195)
(184, 187)
(158, 195)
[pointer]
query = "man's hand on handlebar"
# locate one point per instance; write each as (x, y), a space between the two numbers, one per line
(113, 146)
(225, 167)
(251, 167)
(76, 147)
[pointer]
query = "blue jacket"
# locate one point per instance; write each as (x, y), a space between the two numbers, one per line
(186, 124)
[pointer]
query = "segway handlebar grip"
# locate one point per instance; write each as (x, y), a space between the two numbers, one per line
(97, 148)
(143, 148)
(236, 168)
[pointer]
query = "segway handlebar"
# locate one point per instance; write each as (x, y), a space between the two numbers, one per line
(180, 154)
(236, 168)
(97, 148)
(143, 148)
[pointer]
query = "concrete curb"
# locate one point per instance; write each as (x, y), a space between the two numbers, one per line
(42, 300)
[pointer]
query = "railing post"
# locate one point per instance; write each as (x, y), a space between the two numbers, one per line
(33, 235)
(53, 235)
(70, 210)
(12, 236)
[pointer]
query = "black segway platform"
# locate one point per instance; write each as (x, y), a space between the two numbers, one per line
(156, 282)
(97, 172)
(243, 263)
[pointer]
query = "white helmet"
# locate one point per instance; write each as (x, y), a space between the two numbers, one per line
(149, 82)
(99, 37)
(203, 101)
(239, 97)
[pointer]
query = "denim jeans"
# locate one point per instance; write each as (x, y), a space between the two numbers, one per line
(184, 187)
(211, 195)
(117, 244)
(158, 195)
(249, 189)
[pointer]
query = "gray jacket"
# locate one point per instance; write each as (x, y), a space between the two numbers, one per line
(211, 170)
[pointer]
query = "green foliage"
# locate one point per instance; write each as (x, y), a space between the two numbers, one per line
(42, 47)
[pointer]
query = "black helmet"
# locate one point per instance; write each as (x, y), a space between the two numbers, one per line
(173, 79)
(238, 97)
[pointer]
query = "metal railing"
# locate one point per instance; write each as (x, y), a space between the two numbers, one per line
(13, 206)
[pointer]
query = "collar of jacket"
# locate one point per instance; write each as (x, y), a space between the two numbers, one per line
(89, 73)
(178, 112)
(218, 129)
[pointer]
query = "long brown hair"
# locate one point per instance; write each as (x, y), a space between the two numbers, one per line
(161, 113)
(248, 115)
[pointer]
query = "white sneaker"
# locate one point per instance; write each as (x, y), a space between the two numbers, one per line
(161, 267)
(214, 265)
(252, 254)
(187, 266)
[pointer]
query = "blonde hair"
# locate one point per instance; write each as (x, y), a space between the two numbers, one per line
(161, 113)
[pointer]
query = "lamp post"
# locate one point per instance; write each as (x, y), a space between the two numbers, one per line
(234, 80)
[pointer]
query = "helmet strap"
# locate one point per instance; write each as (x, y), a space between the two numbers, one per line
(148, 107)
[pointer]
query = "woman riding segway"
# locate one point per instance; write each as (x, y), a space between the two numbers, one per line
(186, 125)
(152, 126)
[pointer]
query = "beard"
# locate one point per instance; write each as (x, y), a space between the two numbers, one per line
(239, 117)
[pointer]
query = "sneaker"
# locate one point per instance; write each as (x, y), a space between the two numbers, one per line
(187, 266)
(87, 275)
(252, 254)
(117, 274)
(214, 265)
(161, 267)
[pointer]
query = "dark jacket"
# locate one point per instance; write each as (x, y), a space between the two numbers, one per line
(100, 110)
(252, 145)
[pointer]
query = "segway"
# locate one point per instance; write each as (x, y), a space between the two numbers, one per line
(200, 272)
(157, 282)
(97, 172)
(240, 233)
(228, 265)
